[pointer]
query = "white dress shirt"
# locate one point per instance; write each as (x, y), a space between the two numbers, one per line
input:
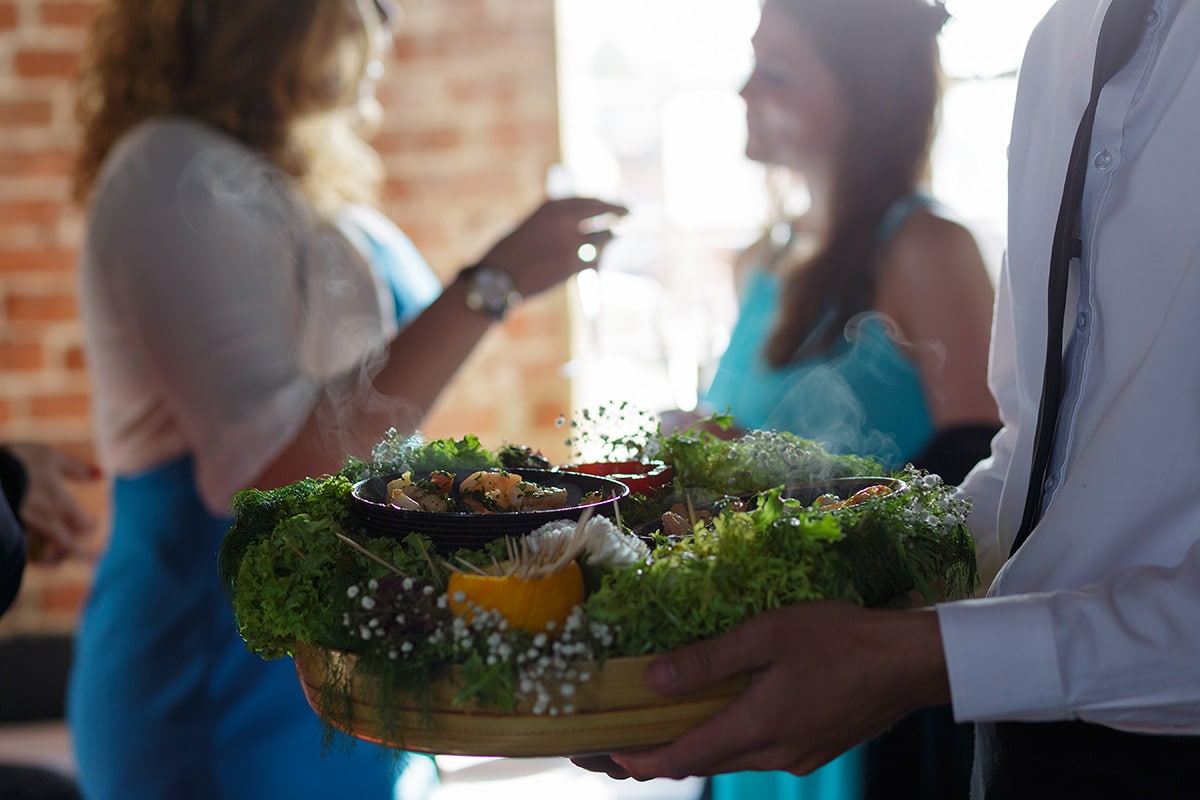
(1097, 617)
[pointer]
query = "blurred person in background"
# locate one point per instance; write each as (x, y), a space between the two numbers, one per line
(864, 321)
(250, 320)
(41, 521)
(1079, 667)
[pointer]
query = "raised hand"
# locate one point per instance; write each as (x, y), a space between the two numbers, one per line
(543, 249)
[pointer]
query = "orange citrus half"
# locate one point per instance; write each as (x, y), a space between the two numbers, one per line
(529, 604)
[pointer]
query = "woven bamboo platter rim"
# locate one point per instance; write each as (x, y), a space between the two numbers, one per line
(614, 711)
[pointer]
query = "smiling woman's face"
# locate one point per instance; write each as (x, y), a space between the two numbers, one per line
(795, 114)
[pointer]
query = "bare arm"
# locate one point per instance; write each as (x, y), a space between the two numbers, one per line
(540, 253)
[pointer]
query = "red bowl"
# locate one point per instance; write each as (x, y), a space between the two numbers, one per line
(642, 477)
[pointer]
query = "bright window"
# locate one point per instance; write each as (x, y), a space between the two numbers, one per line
(651, 116)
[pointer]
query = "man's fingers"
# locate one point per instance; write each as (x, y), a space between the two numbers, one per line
(705, 750)
(701, 665)
(603, 764)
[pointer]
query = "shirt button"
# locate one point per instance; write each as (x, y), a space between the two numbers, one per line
(1081, 320)
(1151, 17)
(1103, 160)
(1048, 484)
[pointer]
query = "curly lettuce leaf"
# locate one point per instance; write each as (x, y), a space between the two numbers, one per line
(709, 583)
(755, 461)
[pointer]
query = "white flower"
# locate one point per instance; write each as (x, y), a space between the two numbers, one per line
(605, 543)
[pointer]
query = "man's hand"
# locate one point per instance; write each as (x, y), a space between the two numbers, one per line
(825, 676)
(54, 521)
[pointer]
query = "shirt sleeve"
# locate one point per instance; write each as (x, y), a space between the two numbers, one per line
(1121, 652)
(245, 310)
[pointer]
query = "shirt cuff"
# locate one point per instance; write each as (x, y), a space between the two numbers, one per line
(1002, 659)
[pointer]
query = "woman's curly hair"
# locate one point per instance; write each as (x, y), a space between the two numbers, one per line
(281, 76)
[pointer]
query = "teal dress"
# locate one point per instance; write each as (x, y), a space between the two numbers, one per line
(864, 397)
(164, 700)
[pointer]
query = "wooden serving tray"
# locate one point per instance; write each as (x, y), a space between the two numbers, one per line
(614, 711)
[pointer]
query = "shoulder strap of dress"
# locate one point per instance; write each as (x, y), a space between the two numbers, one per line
(899, 211)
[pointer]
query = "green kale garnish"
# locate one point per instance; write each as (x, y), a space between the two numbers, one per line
(754, 461)
(706, 584)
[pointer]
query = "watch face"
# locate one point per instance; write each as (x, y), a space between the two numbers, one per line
(491, 291)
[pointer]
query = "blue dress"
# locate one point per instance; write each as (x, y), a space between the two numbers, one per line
(164, 700)
(864, 397)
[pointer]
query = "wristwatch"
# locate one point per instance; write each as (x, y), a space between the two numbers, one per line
(490, 290)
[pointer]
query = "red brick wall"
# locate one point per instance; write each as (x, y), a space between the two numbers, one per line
(471, 128)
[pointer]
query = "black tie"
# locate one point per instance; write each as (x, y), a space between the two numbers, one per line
(1119, 36)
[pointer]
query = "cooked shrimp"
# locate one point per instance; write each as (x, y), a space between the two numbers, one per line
(441, 481)
(536, 497)
(676, 524)
(400, 499)
(431, 494)
(428, 500)
(861, 496)
(396, 487)
(488, 491)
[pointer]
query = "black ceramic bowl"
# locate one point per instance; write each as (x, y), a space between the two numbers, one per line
(451, 531)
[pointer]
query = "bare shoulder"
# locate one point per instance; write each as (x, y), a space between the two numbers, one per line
(932, 247)
(932, 282)
(932, 258)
